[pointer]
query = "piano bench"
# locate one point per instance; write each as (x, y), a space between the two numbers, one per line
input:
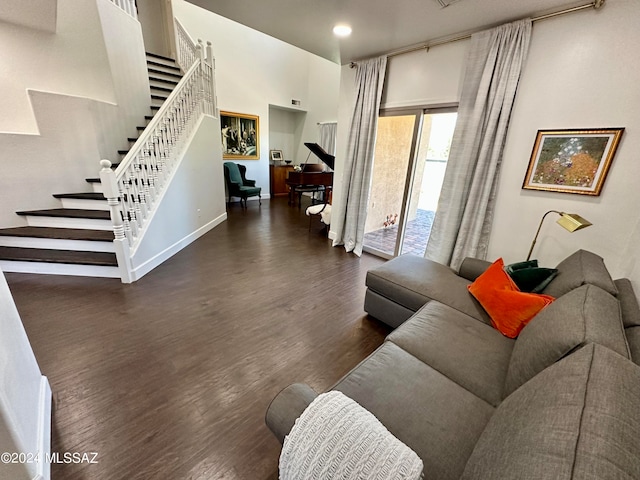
(312, 189)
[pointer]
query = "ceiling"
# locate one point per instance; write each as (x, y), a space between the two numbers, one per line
(379, 26)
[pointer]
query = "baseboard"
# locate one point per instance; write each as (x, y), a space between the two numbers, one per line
(43, 468)
(140, 271)
(263, 196)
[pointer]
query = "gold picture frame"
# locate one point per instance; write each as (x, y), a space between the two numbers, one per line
(572, 161)
(240, 136)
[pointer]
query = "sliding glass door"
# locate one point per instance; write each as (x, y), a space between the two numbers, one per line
(411, 155)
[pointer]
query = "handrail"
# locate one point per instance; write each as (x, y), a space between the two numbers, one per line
(137, 184)
(128, 6)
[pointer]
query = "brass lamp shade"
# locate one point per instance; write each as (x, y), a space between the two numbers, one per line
(568, 221)
(572, 221)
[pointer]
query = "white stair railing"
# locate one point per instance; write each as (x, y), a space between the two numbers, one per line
(137, 184)
(185, 47)
(187, 53)
(128, 6)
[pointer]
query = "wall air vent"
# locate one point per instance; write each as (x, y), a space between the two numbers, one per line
(446, 3)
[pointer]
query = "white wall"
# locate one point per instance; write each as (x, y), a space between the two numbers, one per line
(193, 203)
(254, 71)
(81, 90)
(582, 72)
(285, 132)
(25, 396)
(153, 17)
(73, 61)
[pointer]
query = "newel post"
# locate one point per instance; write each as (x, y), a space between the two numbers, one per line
(200, 50)
(120, 242)
(212, 79)
(209, 53)
(200, 73)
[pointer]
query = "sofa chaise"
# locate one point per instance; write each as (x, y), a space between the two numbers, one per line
(559, 401)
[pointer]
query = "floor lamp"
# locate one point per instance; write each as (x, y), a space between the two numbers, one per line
(568, 221)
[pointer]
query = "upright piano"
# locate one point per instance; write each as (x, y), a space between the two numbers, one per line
(312, 179)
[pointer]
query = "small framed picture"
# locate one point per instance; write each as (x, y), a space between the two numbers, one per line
(276, 155)
(572, 161)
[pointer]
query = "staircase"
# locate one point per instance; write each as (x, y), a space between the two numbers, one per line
(77, 239)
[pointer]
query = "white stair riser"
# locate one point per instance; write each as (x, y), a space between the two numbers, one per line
(162, 75)
(157, 93)
(162, 69)
(156, 102)
(57, 244)
(65, 222)
(59, 269)
(96, 187)
(85, 204)
(170, 63)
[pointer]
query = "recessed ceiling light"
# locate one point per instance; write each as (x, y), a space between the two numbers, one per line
(342, 30)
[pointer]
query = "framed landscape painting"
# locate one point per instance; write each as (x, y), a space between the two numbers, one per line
(240, 136)
(572, 161)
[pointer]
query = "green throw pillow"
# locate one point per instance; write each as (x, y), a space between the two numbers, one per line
(529, 277)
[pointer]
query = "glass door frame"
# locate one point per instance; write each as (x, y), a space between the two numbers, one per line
(419, 112)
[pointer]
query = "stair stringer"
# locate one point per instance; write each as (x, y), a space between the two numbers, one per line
(192, 203)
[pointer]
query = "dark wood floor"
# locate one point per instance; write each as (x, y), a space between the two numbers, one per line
(170, 377)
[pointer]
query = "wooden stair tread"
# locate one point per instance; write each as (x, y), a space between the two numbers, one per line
(58, 256)
(154, 65)
(81, 196)
(58, 233)
(69, 213)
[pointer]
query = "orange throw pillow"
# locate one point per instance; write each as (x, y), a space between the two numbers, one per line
(509, 308)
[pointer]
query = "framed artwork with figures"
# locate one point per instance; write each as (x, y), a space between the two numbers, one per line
(240, 136)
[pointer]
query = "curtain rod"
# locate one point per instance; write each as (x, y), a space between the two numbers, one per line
(596, 4)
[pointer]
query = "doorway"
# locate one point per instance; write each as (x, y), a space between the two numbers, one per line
(412, 149)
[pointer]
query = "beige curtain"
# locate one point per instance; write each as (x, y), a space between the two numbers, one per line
(348, 220)
(462, 223)
(328, 133)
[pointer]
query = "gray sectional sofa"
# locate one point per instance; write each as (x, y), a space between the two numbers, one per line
(560, 401)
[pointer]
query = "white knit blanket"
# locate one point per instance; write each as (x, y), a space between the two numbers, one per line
(335, 438)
